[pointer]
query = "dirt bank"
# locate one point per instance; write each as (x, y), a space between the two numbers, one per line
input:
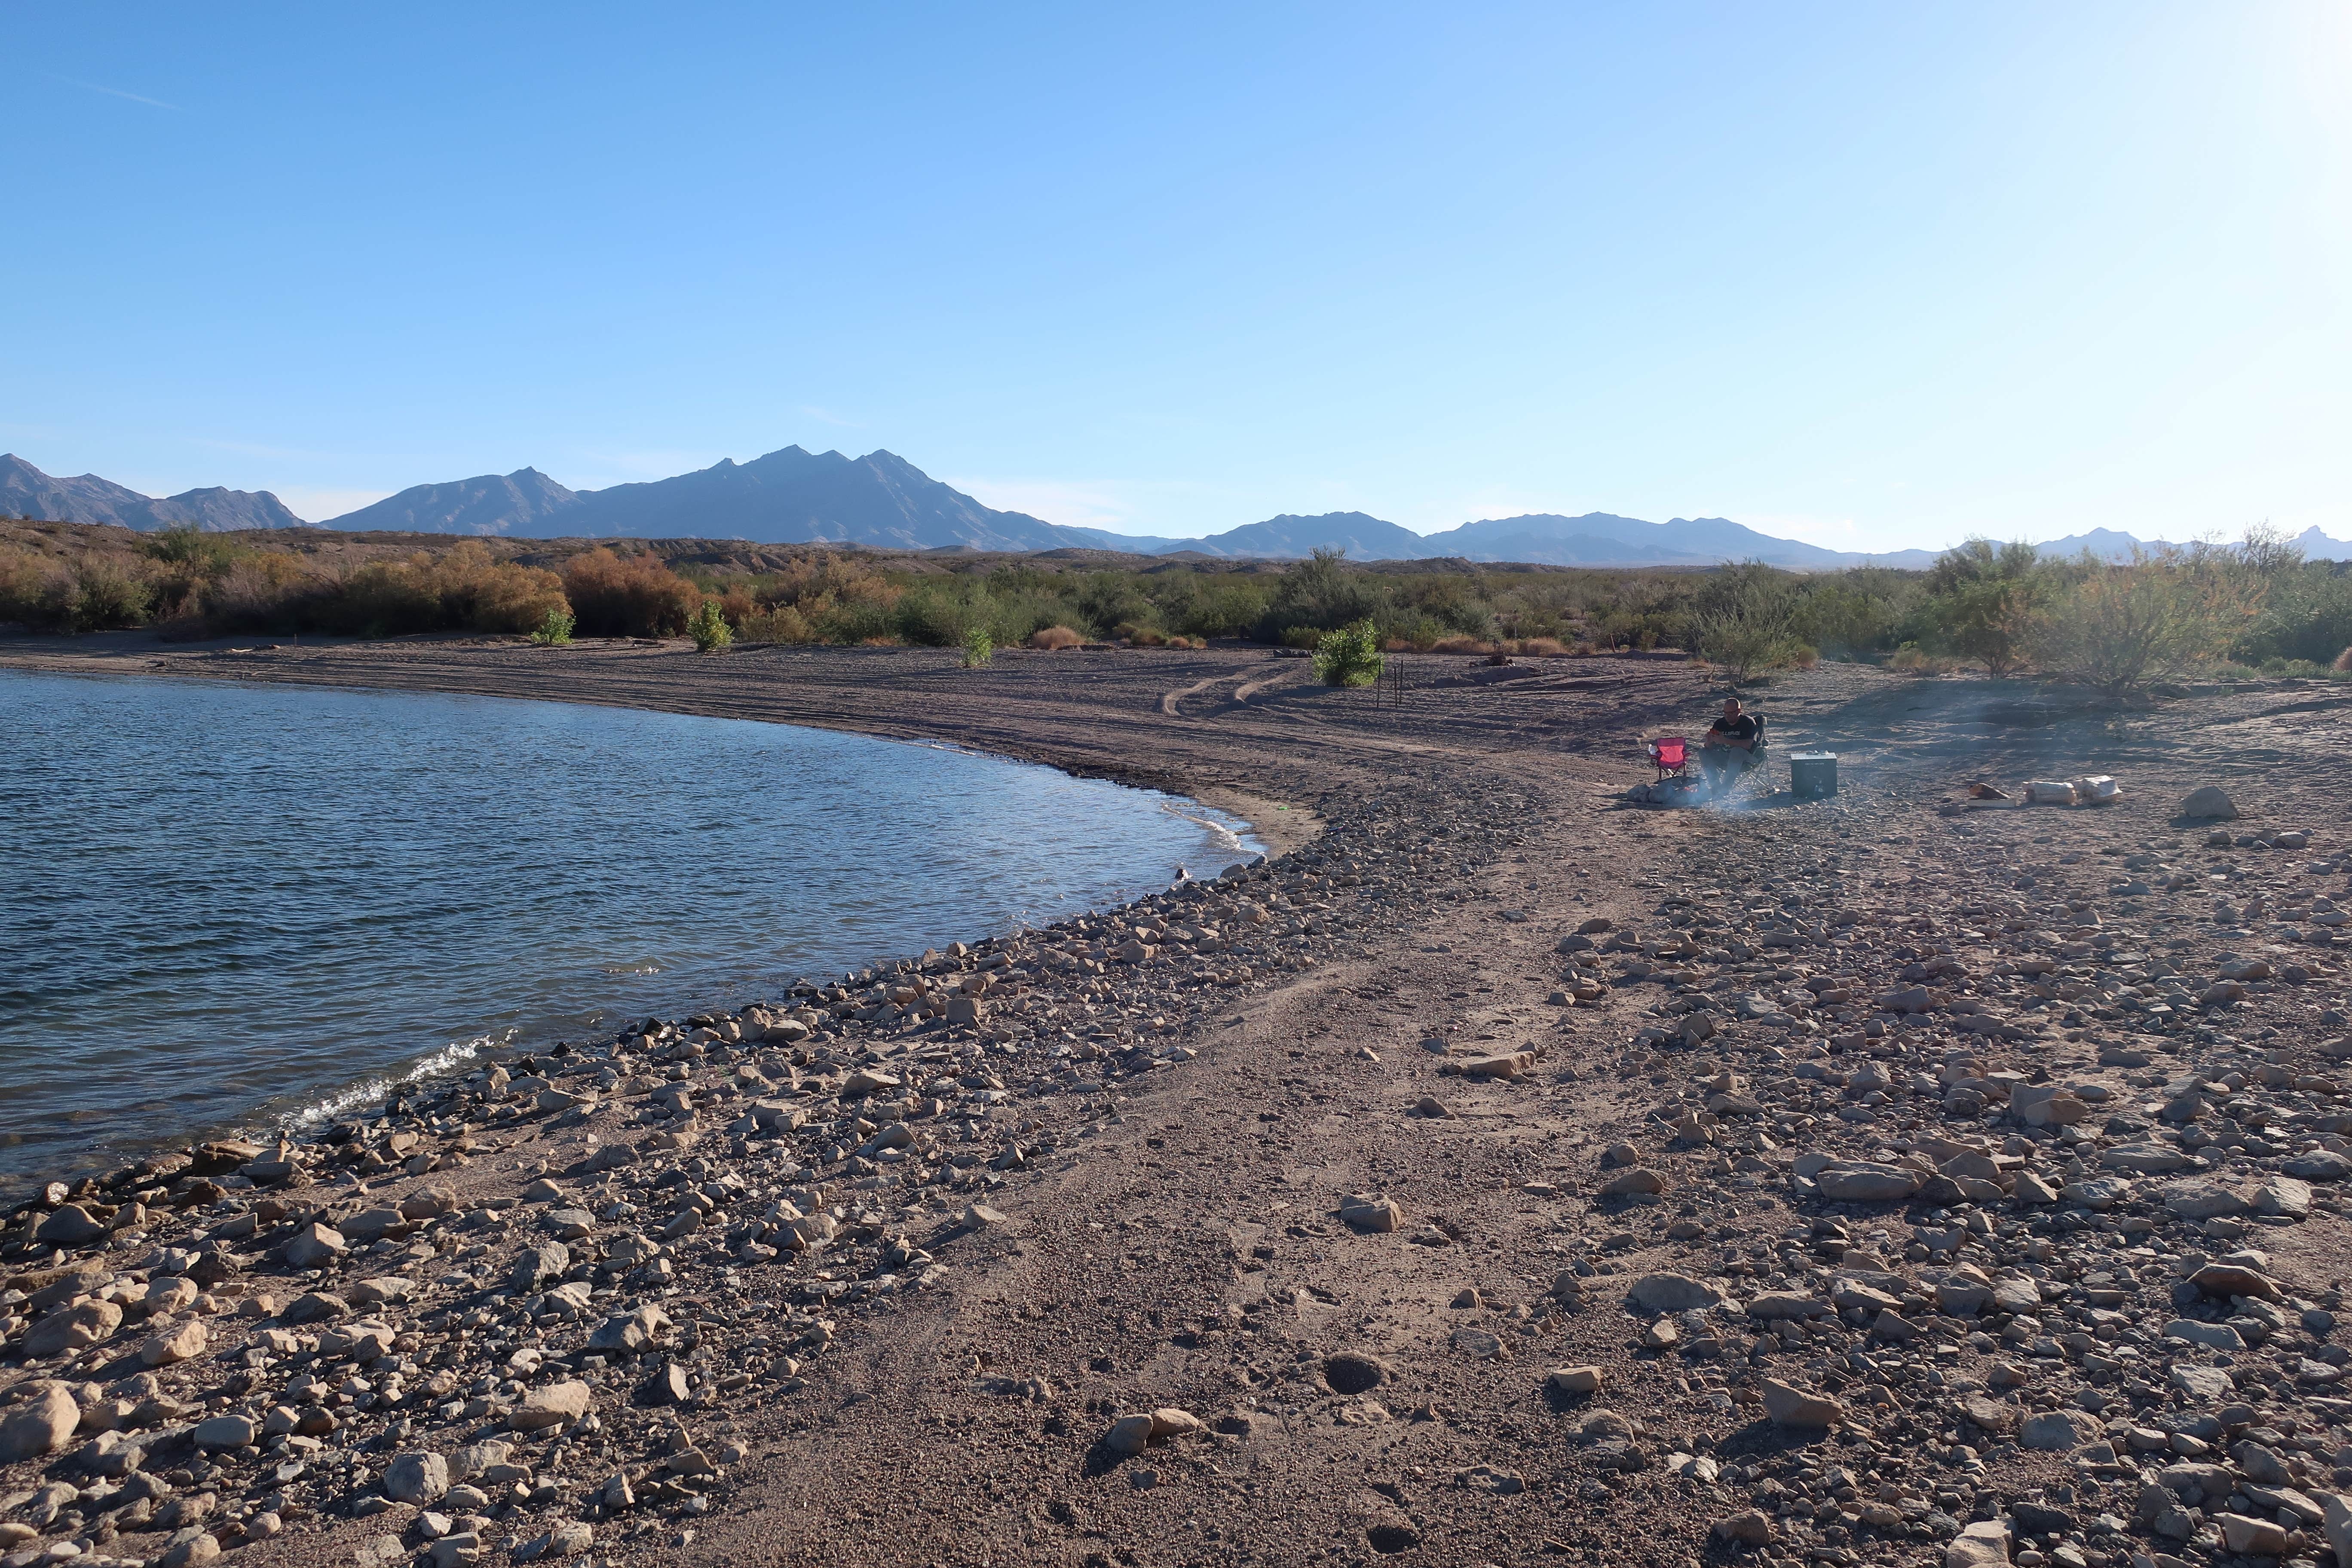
(1825, 1061)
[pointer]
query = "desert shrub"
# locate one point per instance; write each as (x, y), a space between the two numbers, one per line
(1745, 618)
(1987, 602)
(1321, 593)
(783, 623)
(2307, 611)
(866, 623)
(1541, 648)
(2125, 625)
(978, 647)
(708, 628)
(1104, 599)
(1219, 607)
(265, 590)
(1855, 614)
(636, 595)
(1461, 645)
(555, 629)
(34, 592)
(2343, 665)
(930, 617)
(107, 596)
(1350, 656)
(1052, 639)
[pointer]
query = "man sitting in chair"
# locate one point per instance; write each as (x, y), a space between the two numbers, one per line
(1729, 749)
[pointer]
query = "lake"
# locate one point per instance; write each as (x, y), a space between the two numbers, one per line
(246, 907)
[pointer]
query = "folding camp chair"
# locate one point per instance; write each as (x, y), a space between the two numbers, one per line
(1670, 755)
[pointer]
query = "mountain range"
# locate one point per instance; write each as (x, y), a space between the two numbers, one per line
(25, 491)
(881, 501)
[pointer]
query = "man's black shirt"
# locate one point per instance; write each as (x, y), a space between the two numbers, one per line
(1740, 729)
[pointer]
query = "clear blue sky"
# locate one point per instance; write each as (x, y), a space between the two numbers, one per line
(1869, 275)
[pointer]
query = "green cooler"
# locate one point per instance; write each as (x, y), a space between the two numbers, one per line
(1812, 775)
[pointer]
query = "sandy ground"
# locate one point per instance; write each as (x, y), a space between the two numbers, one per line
(1183, 1248)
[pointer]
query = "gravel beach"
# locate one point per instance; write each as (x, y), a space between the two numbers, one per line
(1502, 1171)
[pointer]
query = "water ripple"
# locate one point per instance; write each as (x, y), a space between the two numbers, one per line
(240, 907)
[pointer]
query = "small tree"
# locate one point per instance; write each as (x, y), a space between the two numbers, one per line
(555, 628)
(1746, 620)
(708, 628)
(2126, 625)
(1350, 656)
(978, 647)
(1987, 601)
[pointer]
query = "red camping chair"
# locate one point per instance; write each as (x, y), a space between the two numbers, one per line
(1670, 755)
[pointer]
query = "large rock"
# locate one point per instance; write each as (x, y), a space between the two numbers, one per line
(1576, 1380)
(416, 1478)
(223, 1432)
(538, 1265)
(2319, 1165)
(2250, 1536)
(1751, 1528)
(68, 1227)
(2209, 804)
(2224, 1280)
(1791, 1407)
(1363, 1212)
(552, 1406)
(630, 1333)
(1866, 1182)
(1673, 1293)
(2046, 1105)
(70, 1330)
(39, 1426)
(2200, 1199)
(1639, 1181)
(1984, 1544)
(2283, 1197)
(2338, 1525)
(1129, 1433)
(2058, 1431)
(169, 1345)
(313, 1245)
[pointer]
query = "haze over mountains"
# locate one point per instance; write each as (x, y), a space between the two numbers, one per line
(881, 501)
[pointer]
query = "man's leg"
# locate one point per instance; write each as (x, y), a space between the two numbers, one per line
(1713, 762)
(1736, 764)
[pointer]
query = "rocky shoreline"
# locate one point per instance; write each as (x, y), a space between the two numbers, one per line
(1502, 1174)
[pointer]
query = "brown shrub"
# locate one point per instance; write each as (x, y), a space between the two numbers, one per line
(263, 591)
(1460, 645)
(2343, 665)
(35, 590)
(1543, 648)
(737, 607)
(627, 596)
(1053, 637)
(780, 625)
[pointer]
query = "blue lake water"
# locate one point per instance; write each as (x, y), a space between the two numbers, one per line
(232, 906)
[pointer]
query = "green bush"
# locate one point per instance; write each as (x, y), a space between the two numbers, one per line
(1987, 601)
(934, 617)
(1324, 593)
(1745, 618)
(555, 630)
(107, 596)
(708, 628)
(978, 647)
(1350, 656)
(2124, 626)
